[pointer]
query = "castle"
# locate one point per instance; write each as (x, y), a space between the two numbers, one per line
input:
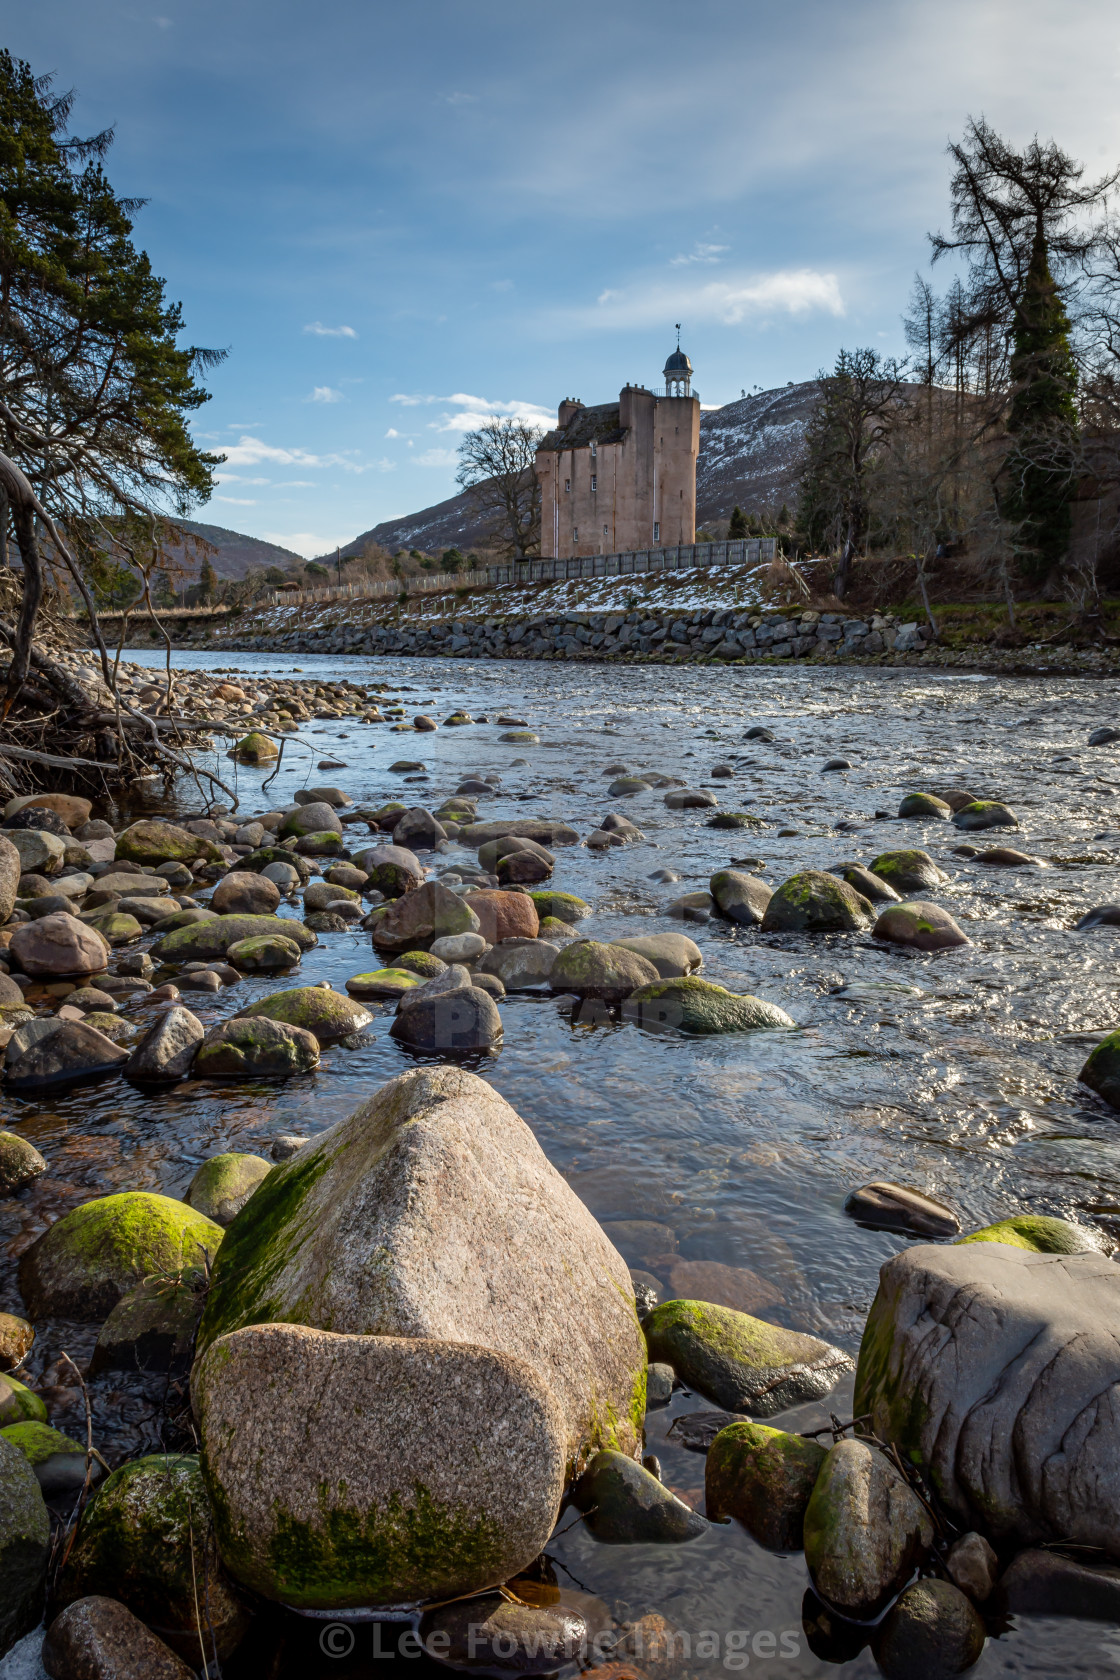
(622, 476)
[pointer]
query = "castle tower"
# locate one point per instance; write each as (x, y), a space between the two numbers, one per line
(678, 371)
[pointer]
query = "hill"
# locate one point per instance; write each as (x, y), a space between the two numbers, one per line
(750, 456)
(237, 554)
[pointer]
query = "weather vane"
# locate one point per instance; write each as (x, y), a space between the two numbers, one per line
(678, 335)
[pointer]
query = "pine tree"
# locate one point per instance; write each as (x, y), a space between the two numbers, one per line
(1039, 473)
(737, 529)
(207, 583)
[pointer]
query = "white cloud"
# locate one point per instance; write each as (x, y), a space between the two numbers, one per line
(701, 254)
(251, 451)
(239, 478)
(392, 432)
(320, 331)
(325, 394)
(307, 543)
(296, 484)
(436, 458)
(465, 413)
(237, 501)
(799, 291)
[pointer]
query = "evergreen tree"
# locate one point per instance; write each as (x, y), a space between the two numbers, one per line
(1040, 469)
(737, 529)
(207, 583)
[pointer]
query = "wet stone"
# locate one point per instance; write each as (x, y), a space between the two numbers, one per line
(625, 1505)
(896, 1207)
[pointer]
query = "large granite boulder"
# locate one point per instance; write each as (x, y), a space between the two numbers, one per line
(202, 941)
(692, 1005)
(58, 946)
(82, 1265)
(415, 919)
(98, 1638)
(257, 1048)
(328, 1014)
(244, 893)
(740, 1362)
(607, 972)
(11, 868)
(997, 1369)
(864, 1530)
(365, 1470)
(68, 1053)
(153, 842)
(813, 902)
(25, 1533)
(433, 1211)
(504, 915)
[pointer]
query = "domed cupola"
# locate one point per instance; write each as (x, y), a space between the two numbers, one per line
(678, 371)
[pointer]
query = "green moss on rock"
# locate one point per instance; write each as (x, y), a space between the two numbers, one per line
(691, 1005)
(740, 1362)
(1039, 1233)
(38, 1442)
(564, 907)
(255, 748)
(814, 902)
(204, 940)
(223, 1184)
(327, 1014)
(19, 1404)
(763, 1478)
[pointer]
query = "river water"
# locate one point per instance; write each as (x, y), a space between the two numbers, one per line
(745, 1146)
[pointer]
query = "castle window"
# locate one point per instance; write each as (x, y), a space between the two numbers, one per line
(594, 482)
(657, 530)
(605, 532)
(567, 484)
(575, 533)
(593, 448)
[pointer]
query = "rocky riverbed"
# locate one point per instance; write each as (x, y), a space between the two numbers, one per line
(662, 1055)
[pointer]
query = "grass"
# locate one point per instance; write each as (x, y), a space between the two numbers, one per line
(965, 624)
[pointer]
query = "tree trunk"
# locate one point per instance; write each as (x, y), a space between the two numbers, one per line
(24, 521)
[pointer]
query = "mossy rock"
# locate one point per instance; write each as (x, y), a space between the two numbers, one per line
(265, 954)
(561, 906)
(742, 1363)
(59, 1462)
(184, 918)
(327, 1014)
(323, 843)
(115, 926)
(985, 813)
(1039, 1233)
(259, 860)
(422, 963)
(20, 1163)
(19, 1404)
(152, 1328)
(112, 1026)
(1101, 1071)
(625, 1504)
(735, 819)
(383, 983)
(925, 805)
(908, 871)
(256, 1048)
(552, 928)
(763, 1478)
(147, 1539)
(223, 1184)
(814, 902)
(691, 1005)
(204, 940)
(25, 1534)
(82, 1265)
(607, 972)
(254, 748)
(153, 842)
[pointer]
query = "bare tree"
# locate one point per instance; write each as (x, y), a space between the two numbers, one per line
(496, 465)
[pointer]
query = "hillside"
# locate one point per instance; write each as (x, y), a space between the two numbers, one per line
(750, 455)
(237, 554)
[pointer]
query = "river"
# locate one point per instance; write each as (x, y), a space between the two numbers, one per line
(744, 1146)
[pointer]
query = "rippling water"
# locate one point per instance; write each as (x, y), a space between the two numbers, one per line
(745, 1147)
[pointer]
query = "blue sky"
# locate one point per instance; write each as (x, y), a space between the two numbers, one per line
(402, 218)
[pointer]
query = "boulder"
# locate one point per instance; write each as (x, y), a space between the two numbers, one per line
(265, 856)
(327, 1014)
(692, 1005)
(116, 927)
(1044, 1583)
(418, 827)
(316, 818)
(608, 972)
(813, 902)
(25, 1533)
(740, 897)
(925, 805)
(264, 954)
(456, 947)
(484, 1243)
(763, 1478)
(326, 1493)
(1101, 1070)
(255, 748)
(11, 868)
(626, 1505)
(147, 1538)
(564, 907)
(168, 1048)
(865, 1530)
(150, 842)
(996, 1369)
(337, 798)
(924, 927)
(932, 1633)
(284, 875)
(71, 807)
(152, 1328)
(1041, 1235)
(529, 828)
(448, 1021)
(82, 1265)
(673, 955)
(689, 799)
(735, 819)
(504, 915)
(522, 868)
(255, 1049)
(908, 871)
(984, 813)
(18, 1402)
(244, 893)
(223, 1184)
(325, 844)
(744, 1364)
(521, 964)
(392, 870)
(430, 912)
(58, 946)
(39, 851)
(70, 1052)
(321, 895)
(58, 1462)
(16, 1340)
(499, 1634)
(20, 1163)
(872, 887)
(204, 940)
(99, 1639)
(490, 853)
(383, 983)
(974, 1567)
(896, 1207)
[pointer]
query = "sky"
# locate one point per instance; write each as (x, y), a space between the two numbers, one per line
(402, 219)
